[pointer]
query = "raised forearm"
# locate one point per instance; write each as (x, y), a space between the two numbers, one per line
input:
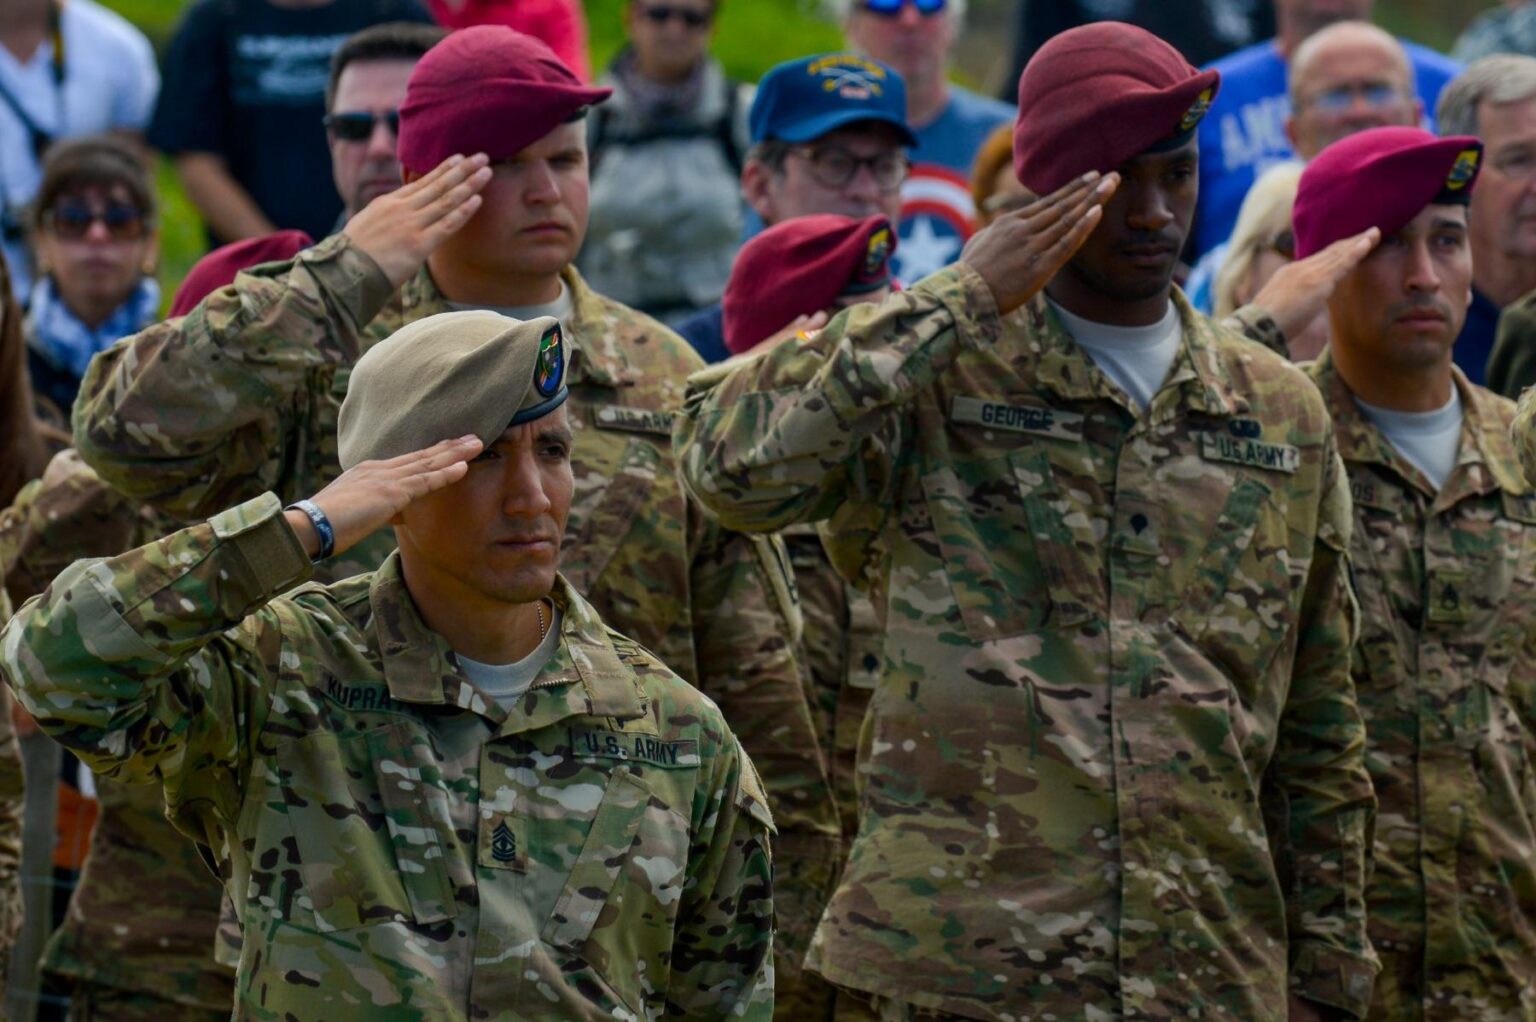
(782, 438)
(103, 658)
(196, 414)
(224, 204)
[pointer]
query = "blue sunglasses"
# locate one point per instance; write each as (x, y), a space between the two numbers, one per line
(891, 8)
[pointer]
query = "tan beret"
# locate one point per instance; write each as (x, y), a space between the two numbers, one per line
(448, 376)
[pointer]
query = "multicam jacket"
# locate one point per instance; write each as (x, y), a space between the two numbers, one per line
(145, 912)
(399, 846)
(1114, 764)
(1445, 670)
(242, 395)
(12, 792)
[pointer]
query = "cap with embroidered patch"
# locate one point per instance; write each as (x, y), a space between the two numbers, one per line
(220, 267)
(1095, 96)
(801, 266)
(1383, 178)
(447, 376)
(486, 89)
(802, 100)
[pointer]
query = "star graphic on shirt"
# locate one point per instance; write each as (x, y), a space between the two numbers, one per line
(924, 250)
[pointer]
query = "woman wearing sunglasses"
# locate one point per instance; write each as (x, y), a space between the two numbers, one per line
(94, 243)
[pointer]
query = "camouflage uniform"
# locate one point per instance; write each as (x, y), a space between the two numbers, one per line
(1446, 675)
(842, 657)
(242, 396)
(138, 938)
(11, 794)
(1114, 763)
(401, 847)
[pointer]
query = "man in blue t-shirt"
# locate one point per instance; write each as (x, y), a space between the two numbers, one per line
(915, 37)
(1244, 133)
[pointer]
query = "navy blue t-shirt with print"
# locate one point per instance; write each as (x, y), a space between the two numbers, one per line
(245, 79)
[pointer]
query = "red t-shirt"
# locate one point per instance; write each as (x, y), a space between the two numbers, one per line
(560, 23)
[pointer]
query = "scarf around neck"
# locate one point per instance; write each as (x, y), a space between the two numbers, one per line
(58, 336)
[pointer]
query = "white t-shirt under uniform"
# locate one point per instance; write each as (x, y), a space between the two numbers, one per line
(1137, 358)
(1431, 440)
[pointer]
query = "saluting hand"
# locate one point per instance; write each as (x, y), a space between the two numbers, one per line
(399, 230)
(367, 496)
(1296, 294)
(1018, 253)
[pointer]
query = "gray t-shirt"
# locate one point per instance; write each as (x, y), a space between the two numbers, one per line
(1430, 440)
(506, 683)
(1137, 358)
(561, 308)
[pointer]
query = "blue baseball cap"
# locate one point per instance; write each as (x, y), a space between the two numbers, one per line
(802, 100)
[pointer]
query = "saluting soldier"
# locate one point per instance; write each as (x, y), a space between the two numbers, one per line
(443, 789)
(1114, 765)
(1444, 550)
(241, 395)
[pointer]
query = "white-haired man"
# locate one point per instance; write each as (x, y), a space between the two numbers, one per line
(1495, 99)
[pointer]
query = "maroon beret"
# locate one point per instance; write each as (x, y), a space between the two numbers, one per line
(1095, 96)
(486, 89)
(1382, 177)
(218, 268)
(802, 266)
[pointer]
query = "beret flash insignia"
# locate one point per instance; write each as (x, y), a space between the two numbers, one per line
(878, 252)
(1196, 111)
(550, 366)
(1462, 170)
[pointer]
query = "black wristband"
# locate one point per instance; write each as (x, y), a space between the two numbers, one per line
(322, 527)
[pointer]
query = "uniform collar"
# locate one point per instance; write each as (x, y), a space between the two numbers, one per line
(1485, 459)
(598, 338)
(1204, 377)
(585, 676)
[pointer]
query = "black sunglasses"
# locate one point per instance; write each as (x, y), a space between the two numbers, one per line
(358, 126)
(72, 221)
(661, 14)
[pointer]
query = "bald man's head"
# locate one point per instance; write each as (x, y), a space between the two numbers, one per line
(1295, 20)
(1346, 78)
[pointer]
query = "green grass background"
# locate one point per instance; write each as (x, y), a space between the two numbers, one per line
(752, 36)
